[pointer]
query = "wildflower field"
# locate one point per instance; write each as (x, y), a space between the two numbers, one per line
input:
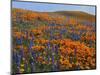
(52, 41)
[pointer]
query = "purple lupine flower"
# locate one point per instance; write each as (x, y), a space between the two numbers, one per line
(56, 49)
(53, 63)
(75, 36)
(22, 52)
(52, 59)
(48, 45)
(14, 56)
(48, 58)
(31, 44)
(18, 61)
(62, 31)
(51, 35)
(19, 41)
(34, 54)
(53, 48)
(56, 63)
(32, 37)
(61, 34)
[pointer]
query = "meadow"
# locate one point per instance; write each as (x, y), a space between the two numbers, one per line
(52, 41)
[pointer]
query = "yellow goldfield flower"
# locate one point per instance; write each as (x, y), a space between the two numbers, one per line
(44, 62)
(44, 53)
(22, 65)
(22, 70)
(50, 58)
